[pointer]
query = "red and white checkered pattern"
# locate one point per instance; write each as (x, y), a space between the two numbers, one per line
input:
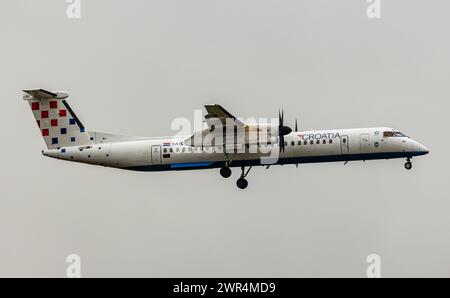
(54, 121)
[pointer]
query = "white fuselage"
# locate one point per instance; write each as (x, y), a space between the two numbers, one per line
(301, 147)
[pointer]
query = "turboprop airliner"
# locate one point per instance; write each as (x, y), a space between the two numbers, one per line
(232, 143)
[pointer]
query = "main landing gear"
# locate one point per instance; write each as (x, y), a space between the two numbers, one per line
(408, 164)
(225, 172)
(242, 183)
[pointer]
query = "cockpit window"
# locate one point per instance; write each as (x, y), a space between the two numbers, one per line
(388, 134)
(399, 134)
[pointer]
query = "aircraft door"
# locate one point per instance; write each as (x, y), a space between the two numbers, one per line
(365, 143)
(156, 155)
(344, 144)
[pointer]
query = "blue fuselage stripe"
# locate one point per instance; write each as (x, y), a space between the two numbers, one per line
(191, 165)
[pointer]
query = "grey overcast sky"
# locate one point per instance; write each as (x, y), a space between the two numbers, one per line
(133, 66)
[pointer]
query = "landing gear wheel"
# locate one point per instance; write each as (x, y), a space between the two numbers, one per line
(225, 172)
(408, 165)
(242, 183)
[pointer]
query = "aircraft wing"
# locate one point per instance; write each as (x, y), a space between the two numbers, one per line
(235, 132)
(217, 112)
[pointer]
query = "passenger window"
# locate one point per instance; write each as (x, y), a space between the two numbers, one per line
(318, 142)
(330, 141)
(285, 144)
(344, 140)
(305, 142)
(165, 150)
(324, 141)
(299, 143)
(171, 150)
(292, 143)
(311, 142)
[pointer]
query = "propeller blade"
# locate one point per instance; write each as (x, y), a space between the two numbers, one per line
(280, 119)
(282, 130)
(296, 124)
(281, 143)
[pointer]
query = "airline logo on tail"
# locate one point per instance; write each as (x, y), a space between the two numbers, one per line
(59, 125)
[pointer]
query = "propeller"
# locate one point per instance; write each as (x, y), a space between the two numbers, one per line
(296, 124)
(282, 130)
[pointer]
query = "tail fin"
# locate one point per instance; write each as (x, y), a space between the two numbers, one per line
(59, 125)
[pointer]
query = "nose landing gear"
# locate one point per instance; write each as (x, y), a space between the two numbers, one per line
(408, 164)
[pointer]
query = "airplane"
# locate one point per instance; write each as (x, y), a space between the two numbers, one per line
(67, 139)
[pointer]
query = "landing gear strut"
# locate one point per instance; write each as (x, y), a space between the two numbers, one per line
(242, 183)
(408, 164)
(225, 172)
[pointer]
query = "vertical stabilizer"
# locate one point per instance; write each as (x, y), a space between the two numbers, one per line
(58, 124)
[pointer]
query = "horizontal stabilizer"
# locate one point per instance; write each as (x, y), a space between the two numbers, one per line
(43, 94)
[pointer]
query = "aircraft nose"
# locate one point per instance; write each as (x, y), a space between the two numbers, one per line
(424, 149)
(420, 148)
